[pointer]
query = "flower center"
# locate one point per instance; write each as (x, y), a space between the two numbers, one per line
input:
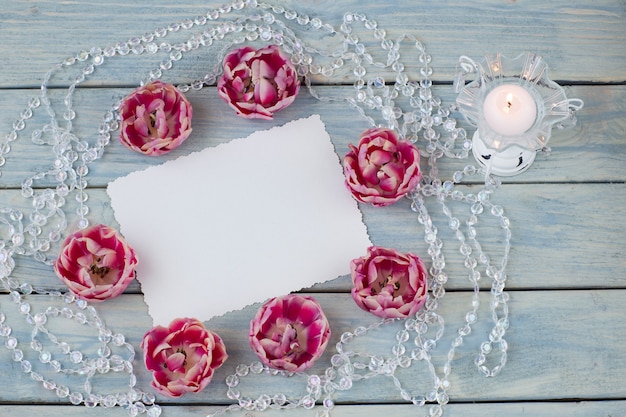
(99, 273)
(248, 86)
(387, 280)
(177, 361)
(290, 344)
(153, 117)
(152, 126)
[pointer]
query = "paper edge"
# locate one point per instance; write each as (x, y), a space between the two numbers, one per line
(147, 169)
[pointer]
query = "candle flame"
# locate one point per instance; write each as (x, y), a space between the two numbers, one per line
(508, 103)
(509, 100)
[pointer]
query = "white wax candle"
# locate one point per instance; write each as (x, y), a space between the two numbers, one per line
(509, 110)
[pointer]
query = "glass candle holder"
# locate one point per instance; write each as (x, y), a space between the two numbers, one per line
(514, 104)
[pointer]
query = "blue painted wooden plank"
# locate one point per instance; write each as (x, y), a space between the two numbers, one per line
(558, 238)
(594, 150)
(565, 235)
(576, 35)
(553, 354)
(574, 409)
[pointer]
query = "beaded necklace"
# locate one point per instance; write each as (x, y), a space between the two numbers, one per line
(407, 106)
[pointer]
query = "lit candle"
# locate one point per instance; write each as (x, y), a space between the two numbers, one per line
(509, 110)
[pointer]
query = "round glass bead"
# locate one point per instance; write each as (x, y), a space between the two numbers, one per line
(26, 366)
(49, 385)
(109, 401)
(402, 336)
(234, 395)
(55, 365)
(347, 337)
(154, 411)
(76, 398)
(263, 402)
(24, 308)
(76, 356)
(11, 343)
(246, 403)
(418, 400)
(398, 350)
(360, 71)
(314, 380)
(45, 356)
(360, 331)
(232, 380)
(279, 399)
(404, 361)
(62, 391)
(141, 407)
(471, 317)
(345, 383)
(148, 398)
(256, 367)
(336, 360)
(17, 355)
(40, 319)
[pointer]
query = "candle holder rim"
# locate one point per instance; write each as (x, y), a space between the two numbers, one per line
(529, 71)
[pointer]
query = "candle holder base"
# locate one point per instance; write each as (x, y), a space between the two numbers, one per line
(509, 162)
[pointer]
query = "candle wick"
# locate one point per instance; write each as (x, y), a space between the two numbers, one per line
(509, 100)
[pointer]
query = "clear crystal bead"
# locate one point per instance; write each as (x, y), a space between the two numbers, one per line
(5, 330)
(45, 356)
(55, 365)
(40, 319)
(118, 339)
(154, 411)
(62, 391)
(11, 343)
(256, 367)
(24, 308)
(233, 394)
(76, 356)
(308, 402)
(232, 380)
(26, 366)
(242, 370)
(49, 385)
(148, 398)
(17, 355)
(76, 398)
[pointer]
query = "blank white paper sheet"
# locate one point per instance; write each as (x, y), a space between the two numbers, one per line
(239, 223)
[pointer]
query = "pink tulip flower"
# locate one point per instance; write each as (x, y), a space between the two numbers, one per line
(182, 357)
(381, 169)
(289, 332)
(389, 284)
(258, 83)
(96, 263)
(156, 118)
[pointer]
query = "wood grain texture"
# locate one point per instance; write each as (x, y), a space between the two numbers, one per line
(584, 40)
(553, 355)
(592, 151)
(563, 236)
(577, 409)
(567, 273)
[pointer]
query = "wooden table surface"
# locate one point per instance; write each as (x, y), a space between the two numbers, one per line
(567, 270)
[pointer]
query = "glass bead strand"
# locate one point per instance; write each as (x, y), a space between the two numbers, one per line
(371, 94)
